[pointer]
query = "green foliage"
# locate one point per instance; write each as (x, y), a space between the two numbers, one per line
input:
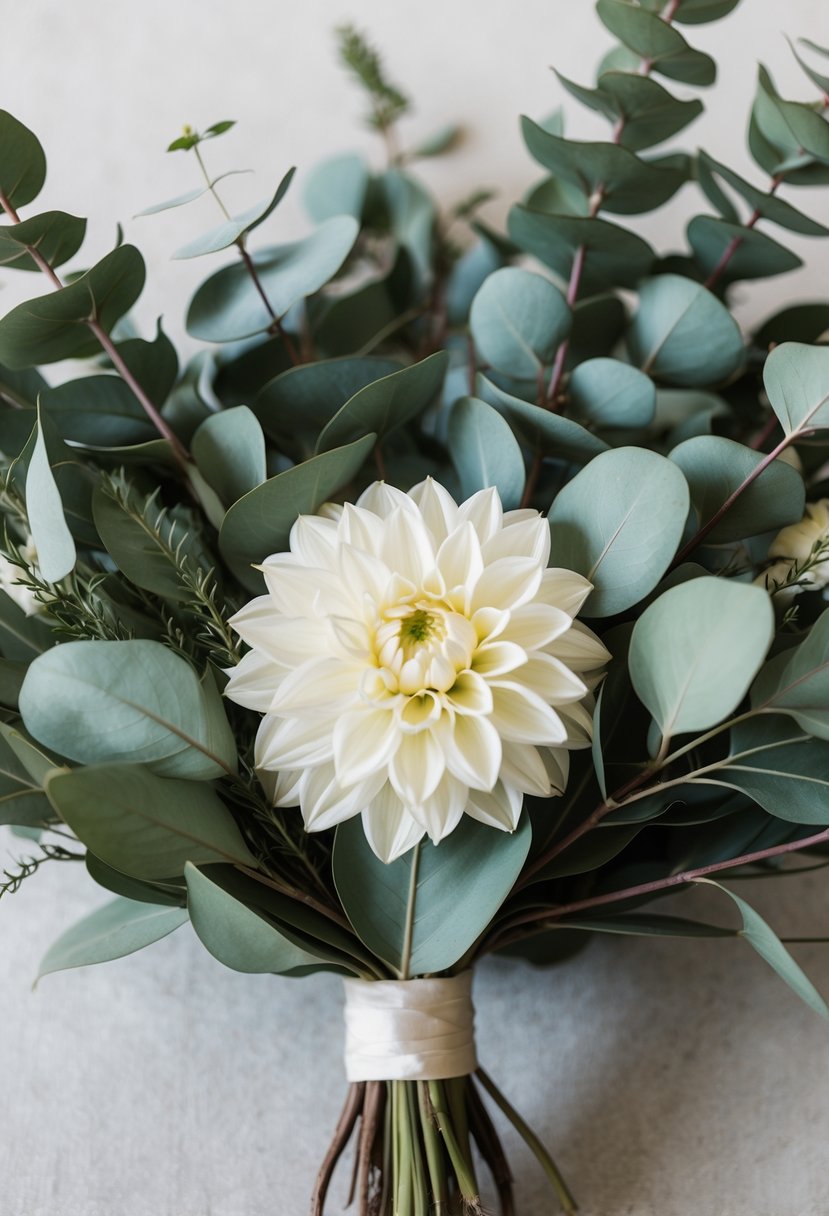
(682, 334)
(56, 236)
(485, 451)
(44, 509)
(22, 162)
(460, 885)
(234, 230)
(518, 320)
(387, 102)
(120, 927)
(613, 256)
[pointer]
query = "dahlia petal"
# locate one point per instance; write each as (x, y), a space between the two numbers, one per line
(535, 625)
(292, 742)
(522, 766)
(470, 694)
(382, 499)
(580, 649)
(578, 721)
(419, 712)
(530, 538)
(471, 749)
(499, 809)
(364, 741)
(557, 763)
(253, 681)
(521, 716)
(552, 680)
(286, 640)
(283, 787)
(314, 541)
(324, 801)
(299, 590)
(563, 589)
(407, 545)
(459, 558)
(506, 583)
(361, 528)
(362, 572)
(489, 623)
(484, 512)
(417, 766)
(441, 813)
(390, 829)
(438, 508)
(329, 683)
(497, 658)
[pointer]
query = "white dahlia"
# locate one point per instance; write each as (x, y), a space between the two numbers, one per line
(415, 660)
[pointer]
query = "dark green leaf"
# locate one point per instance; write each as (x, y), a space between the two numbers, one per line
(54, 327)
(797, 132)
(797, 323)
(22, 162)
(229, 449)
(386, 404)
(751, 254)
(542, 430)
(767, 205)
(649, 114)
(613, 256)
(21, 637)
(647, 924)
(796, 681)
(168, 894)
(653, 39)
(56, 236)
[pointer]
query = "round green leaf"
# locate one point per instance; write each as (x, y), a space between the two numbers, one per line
(336, 187)
(306, 398)
(695, 650)
(98, 702)
(683, 334)
(619, 523)
(714, 467)
(796, 682)
(518, 319)
(56, 235)
(611, 393)
(755, 255)
(542, 430)
(260, 523)
(796, 378)
(228, 305)
(229, 449)
(613, 256)
(485, 451)
(779, 768)
(648, 36)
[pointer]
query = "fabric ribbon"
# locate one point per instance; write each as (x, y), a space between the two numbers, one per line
(409, 1030)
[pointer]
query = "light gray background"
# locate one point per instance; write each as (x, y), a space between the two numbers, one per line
(670, 1078)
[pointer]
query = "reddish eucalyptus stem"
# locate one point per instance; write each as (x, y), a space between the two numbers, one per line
(735, 243)
(700, 536)
(107, 345)
(661, 884)
(768, 430)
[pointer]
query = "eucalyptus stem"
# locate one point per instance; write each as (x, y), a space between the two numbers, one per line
(434, 1153)
(735, 242)
(466, 1181)
(408, 932)
(532, 1142)
(108, 346)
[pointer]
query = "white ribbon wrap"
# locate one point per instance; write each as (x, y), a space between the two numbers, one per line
(409, 1030)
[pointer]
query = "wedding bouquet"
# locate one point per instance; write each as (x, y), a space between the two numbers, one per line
(463, 594)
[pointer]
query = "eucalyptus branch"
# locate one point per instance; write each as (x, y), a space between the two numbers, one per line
(275, 325)
(108, 346)
(540, 916)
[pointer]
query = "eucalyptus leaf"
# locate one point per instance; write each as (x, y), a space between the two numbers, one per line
(106, 702)
(234, 230)
(237, 935)
(336, 186)
(120, 927)
(751, 254)
(467, 276)
(461, 884)
(229, 449)
(645, 111)
(765, 204)
(647, 924)
(796, 378)
(682, 334)
(613, 256)
(22, 801)
(411, 212)
(796, 130)
(53, 541)
(610, 393)
(653, 39)
(626, 184)
(306, 398)
(696, 649)
(715, 467)
(619, 523)
(768, 945)
(541, 429)
(228, 305)
(518, 320)
(386, 404)
(169, 894)
(797, 323)
(485, 451)
(22, 637)
(56, 236)
(189, 196)
(796, 681)
(260, 523)
(147, 826)
(54, 327)
(22, 162)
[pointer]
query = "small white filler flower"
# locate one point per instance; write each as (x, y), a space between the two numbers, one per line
(415, 660)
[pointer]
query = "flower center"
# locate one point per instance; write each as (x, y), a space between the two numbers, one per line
(421, 647)
(419, 628)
